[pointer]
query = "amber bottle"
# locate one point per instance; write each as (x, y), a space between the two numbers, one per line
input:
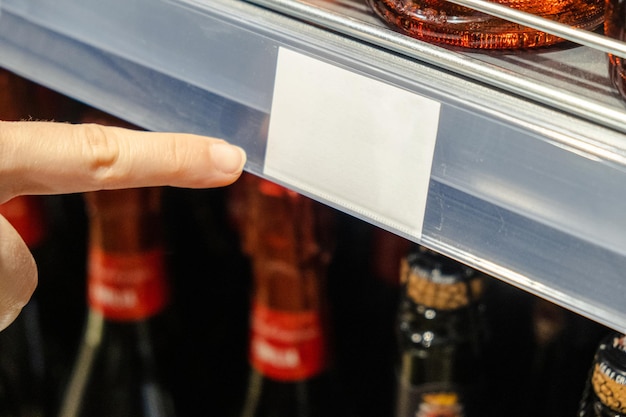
(440, 21)
(289, 340)
(615, 27)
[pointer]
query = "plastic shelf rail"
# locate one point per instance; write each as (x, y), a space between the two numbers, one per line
(528, 175)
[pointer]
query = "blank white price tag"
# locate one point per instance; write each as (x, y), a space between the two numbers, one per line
(357, 142)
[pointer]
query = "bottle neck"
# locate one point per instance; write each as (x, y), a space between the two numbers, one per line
(287, 346)
(127, 287)
(126, 259)
(125, 221)
(288, 338)
(424, 327)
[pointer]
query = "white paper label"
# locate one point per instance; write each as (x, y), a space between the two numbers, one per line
(354, 141)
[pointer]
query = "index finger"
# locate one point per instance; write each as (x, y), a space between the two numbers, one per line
(60, 158)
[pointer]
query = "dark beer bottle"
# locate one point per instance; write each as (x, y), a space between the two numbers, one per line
(288, 347)
(605, 391)
(117, 371)
(441, 338)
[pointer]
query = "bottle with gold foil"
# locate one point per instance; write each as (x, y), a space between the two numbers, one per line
(605, 392)
(289, 347)
(439, 21)
(615, 27)
(441, 337)
(118, 370)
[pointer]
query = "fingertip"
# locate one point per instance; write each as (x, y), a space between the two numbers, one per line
(227, 158)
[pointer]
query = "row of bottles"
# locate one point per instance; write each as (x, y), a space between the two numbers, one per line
(443, 328)
(444, 353)
(257, 301)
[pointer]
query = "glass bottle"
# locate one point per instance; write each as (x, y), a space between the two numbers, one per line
(288, 347)
(439, 21)
(22, 358)
(118, 368)
(615, 27)
(605, 392)
(441, 338)
(22, 361)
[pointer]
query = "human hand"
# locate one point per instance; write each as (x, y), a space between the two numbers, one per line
(60, 158)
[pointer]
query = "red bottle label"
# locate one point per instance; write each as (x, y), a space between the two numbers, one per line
(127, 287)
(24, 214)
(285, 345)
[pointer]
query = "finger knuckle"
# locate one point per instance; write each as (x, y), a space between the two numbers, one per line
(102, 152)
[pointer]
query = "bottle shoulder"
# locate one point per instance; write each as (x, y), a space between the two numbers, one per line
(316, 396)
(117, 373)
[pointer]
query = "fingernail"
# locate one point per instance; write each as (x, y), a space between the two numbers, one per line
(228, 158)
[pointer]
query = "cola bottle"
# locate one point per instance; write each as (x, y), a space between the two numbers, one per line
(119, 370)
(285, 236)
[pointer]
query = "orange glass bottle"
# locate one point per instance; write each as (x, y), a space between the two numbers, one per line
(440, 21)
(615, 27)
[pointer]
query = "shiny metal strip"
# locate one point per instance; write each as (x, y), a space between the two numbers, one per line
(456, 62)
(579, 36)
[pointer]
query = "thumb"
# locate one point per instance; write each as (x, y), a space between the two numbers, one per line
(18, 274)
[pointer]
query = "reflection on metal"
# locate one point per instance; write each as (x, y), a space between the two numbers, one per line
(459, 63)
(581, 37)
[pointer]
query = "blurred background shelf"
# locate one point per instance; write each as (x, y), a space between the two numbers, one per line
(528, 181)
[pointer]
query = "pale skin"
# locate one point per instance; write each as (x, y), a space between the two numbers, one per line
(59, 158)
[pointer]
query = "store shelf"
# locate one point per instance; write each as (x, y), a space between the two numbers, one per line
(528, 179)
